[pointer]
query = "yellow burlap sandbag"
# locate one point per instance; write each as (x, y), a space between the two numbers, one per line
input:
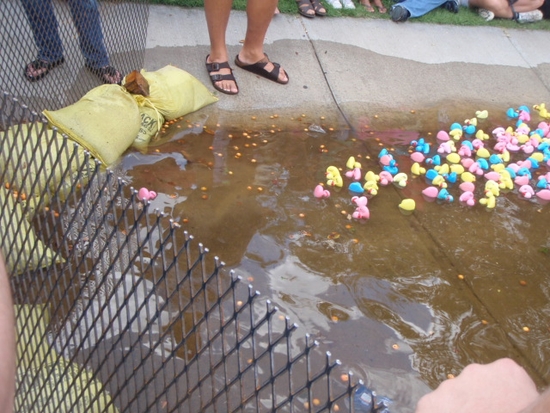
(174, 92)
(41, 165)
(48, 382)
(151, 123)
(20, 245)
(106, 121)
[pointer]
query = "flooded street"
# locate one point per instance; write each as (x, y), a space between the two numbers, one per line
(404, 300)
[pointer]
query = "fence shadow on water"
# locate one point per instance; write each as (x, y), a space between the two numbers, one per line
(118, 309)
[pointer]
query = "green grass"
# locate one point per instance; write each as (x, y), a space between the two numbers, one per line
(466, 17)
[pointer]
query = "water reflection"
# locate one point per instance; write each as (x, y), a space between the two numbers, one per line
(383, 295)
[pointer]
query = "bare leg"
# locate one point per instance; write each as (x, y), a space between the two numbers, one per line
(217, 18)
(367, 5)
(380, 6)
(502, 9)
(7, 342)
(259, 13)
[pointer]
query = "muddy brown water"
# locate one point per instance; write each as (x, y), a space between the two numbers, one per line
(405, 300)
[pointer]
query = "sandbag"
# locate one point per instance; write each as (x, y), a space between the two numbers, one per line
(174, 92)
(39, 165)
(20, 246)
(105, 121)
(151, 123)
(48, 382)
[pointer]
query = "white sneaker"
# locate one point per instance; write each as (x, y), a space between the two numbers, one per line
(530, 16)
(335, 4)
(486, 15)
(348, 4)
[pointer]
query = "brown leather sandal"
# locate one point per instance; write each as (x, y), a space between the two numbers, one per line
(305, 6)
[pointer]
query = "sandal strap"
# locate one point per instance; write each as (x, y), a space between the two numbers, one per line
(215, 66)
(219, 77)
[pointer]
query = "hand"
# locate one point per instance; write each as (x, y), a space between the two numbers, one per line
(499, 387)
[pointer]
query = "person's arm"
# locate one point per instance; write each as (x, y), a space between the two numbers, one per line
(7, 343)
(499, 387)
(541, 405)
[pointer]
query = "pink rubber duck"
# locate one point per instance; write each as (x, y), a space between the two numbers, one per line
(361, 211)
(145, 194)
(320, 192)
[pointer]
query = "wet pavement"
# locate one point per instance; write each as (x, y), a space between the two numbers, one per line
(475, 280)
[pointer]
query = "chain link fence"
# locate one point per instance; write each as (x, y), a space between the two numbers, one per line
(86, 34)
(118, 310)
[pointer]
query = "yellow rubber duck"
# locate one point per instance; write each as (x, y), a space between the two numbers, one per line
(541, 109)
(371, 187)
(492, 186)
(407, 206)
(371, 176)
(400, 179)
(489, 201)
(416, 169)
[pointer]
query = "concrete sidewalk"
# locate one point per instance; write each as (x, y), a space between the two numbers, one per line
(348, 68)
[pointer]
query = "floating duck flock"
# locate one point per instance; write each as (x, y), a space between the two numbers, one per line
(513, 159)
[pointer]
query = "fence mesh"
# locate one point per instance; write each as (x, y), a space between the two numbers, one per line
(119, 310)
(83, 32)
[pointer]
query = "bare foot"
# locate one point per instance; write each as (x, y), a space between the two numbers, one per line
(380, 6)
(368, 6)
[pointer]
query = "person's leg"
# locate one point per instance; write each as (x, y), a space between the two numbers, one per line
(217, 17)
(502, 9)
(41, 17)
(87, 21)
(259, 14)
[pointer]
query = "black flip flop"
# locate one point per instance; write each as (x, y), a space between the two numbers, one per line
(43, 65)
(215, 67)
(258, 68)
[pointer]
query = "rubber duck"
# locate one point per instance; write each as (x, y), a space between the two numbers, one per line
(443, 169)
(386, 178)
(466, 162)
(521, 180)
(400, 179)
(442, 136)
(494, 176)
(371, 188)
(361, 210)
(371, 176)
(356, 188)
(467, 177)
(465, 150)
(453, 158)
(494, 159)
(526, 191)
(320, 192)
(456, 134)
(418, 157)
(489, 201)
(392, 168)
(446, 147)
(477, 144)
(385, 160)
(407, 206)
(472, 121)
(417, 170)
(467, 187)
(455, 126)
(493, 187)
(421, 145)
(482, 114)
(435, 160)
(451, 177)
(483, 153)
(336, 181)
(444, 195)
(481, 135)
(457, 168)
(505, 181)
(145, 195)
(543, 196)
(352, 164)
(469, 129)
(467, 198)
(430, 193)
(439, 181)
(524, 116)
(354, 174)
(512, 113)
(331, 172)
(541, 109)
(543, 182)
